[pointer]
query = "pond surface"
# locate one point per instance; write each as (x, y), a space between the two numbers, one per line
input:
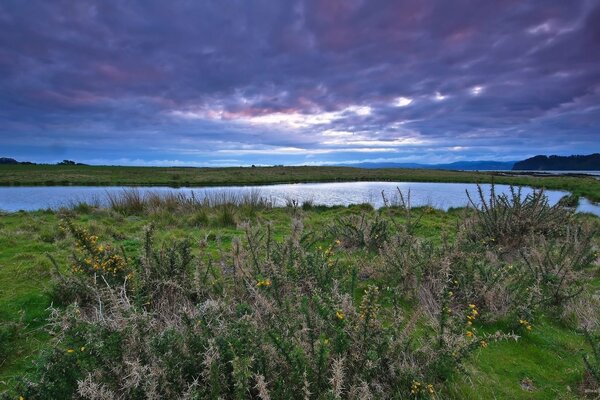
(438, 195)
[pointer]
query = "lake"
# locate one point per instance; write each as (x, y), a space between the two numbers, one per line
(438, 195)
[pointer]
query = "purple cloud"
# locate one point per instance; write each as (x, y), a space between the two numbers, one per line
(319, 81)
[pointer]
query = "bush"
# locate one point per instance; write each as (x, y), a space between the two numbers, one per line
(507, 219)
(361, 231)
(268, 319)
(555, 267)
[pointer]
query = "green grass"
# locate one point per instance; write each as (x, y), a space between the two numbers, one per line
(543, 364)
(549, 357)
(12, 175)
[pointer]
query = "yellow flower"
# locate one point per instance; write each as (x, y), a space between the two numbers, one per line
(484, 344)
(82, 348)
(340, 315)
(21, 398)
(430, 389)
(338, 242)
(472, 306)
(264, 282)
(469, 334)
(326, 342)
(70, 351)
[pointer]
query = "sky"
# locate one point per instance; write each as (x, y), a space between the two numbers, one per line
(240, 82)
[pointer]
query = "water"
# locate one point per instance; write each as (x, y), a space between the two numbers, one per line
(438, 195)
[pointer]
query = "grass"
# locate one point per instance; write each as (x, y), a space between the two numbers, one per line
(545, 363)
(31, 175)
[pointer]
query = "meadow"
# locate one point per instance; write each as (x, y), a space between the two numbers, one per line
(31, 175)
(169, 297)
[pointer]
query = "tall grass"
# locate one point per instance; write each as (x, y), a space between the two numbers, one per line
(134, 201)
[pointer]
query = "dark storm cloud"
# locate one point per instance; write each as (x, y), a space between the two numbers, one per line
(301, 82)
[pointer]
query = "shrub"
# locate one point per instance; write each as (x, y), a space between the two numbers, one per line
(406, 260)
(569, 200)
(268, 318)
(507, 219)
(361, 231)
(555, 267)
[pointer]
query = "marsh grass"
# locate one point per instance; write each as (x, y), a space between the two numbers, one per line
(228, 207)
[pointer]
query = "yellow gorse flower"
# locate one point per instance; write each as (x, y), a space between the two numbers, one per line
(526, 324)
(340, 315)
(264, 282)
(415, 387)
(430, 389)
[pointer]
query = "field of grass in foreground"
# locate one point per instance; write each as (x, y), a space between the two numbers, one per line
(24, 175)
(545, 362)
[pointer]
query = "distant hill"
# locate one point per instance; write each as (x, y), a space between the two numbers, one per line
(459, 165)
(12, 161)
(6, 160)
(560, 163)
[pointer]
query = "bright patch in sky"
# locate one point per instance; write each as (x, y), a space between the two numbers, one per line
(402, 101)
(476, 90)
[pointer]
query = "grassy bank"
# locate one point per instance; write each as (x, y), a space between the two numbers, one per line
(23, 175)
(341, 257)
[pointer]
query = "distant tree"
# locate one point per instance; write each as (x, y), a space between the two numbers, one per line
(560, 163)
(66, 162)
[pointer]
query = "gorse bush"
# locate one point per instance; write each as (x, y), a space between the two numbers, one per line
(506, 219)
(361, 231)
(556, 266)
(269, 319)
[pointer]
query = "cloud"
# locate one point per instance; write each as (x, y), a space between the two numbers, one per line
(318, 81)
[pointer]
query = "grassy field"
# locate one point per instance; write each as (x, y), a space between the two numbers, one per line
(23, 175)
(545, 362)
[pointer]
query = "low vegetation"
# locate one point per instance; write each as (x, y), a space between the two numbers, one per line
(169, 297)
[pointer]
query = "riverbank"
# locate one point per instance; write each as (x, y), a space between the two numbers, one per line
(66, 175)
(216, 233)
